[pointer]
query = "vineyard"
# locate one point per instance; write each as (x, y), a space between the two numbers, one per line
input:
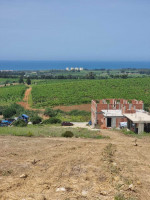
(11, 94)
(78, 92)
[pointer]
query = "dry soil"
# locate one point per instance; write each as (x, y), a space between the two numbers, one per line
(69, 169)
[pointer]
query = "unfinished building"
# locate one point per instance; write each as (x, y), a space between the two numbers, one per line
(108, 113)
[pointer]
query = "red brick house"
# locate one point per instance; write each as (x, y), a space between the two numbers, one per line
(107, 113)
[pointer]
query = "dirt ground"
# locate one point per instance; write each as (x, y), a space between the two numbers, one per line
(69, 169)
(86, 107)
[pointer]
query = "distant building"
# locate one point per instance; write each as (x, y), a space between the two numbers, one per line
(109, 113)
(67, 68)
(81, 68)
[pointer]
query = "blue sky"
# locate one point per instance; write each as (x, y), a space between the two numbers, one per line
(75, 30)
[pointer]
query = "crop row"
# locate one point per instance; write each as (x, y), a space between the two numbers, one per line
(79, 92)
(11, 94)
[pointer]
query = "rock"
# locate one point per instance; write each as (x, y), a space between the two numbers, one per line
(138, 182)
(84, 192)
(61, 189)
(116, 178)
(104, 193)
(131, 187)
(114, 164)
(23, 176)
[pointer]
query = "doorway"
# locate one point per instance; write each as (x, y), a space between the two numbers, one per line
(108, 122)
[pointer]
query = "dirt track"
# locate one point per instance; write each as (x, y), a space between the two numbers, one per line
(25, 102)
(84, 167)
(26, 105)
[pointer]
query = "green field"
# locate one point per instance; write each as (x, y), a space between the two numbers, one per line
(72, 92)
(11, 94)
(8, 80)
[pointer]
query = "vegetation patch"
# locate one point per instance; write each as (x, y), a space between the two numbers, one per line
(67, 134)
(52, 120)
(83, 91)
(20, 123)
(11, 94)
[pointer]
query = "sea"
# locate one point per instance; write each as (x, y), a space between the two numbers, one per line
(61, 65)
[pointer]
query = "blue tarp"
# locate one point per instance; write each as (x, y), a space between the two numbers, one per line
(25, 116)
(4, 121)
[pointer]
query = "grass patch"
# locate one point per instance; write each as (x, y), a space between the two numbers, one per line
(49, 131)
(131, 133)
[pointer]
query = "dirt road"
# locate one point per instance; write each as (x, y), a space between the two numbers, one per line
(25, 102)
(69, 169)
(26, 105)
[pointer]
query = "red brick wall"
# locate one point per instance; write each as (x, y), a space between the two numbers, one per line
(120, 119)
(113, 105)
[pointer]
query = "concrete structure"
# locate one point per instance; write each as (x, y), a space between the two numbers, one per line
(138, 122)
(108, 113)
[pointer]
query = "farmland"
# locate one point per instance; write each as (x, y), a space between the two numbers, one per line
(75, 92)
(11, 94)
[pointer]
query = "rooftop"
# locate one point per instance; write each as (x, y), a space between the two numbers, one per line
(139, 117)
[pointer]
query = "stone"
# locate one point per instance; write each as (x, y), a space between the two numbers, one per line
(84, 192)
(114, 164)
(104, 193)
(116, 178)
(131, 187)
(23, 176)
(61, 189)
(138, 182)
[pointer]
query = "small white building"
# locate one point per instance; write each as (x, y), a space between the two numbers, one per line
(138, 122)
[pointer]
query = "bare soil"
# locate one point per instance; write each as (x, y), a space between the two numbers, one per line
(86, 107)
(85, 168)
(25, 102)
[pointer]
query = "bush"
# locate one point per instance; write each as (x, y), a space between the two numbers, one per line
(36, 119)
(29, 134)
(2, 108)
(67, 134)
(20, 123)
(50, 112)
(52, 120)
(9, 112)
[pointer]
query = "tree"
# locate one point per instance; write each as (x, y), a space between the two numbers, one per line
(21, 79)
(90, 75)
(28, 81)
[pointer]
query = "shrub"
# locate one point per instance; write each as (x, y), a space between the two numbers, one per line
(36, 119)
(67, 134)
(20, 123)
(50, 112)
(9, 112)
(29, 134)
(52, 120)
